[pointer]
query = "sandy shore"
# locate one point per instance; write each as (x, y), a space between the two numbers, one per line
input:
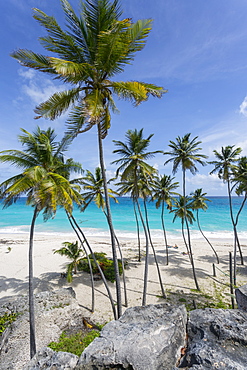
(177, 276)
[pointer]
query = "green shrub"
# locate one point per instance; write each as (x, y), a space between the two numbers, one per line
(75, 343)
(106, 265)
(6, 320)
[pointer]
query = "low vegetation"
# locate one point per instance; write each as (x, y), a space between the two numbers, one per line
(6, 320)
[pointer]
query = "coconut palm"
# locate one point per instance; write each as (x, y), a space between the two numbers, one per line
(75, 253)
(134, 172)
(163, 193)
(94, 186)
(184, 153)
(96, 47)
(199, 202)
(44, 187)
(225, 165)
(182, 209)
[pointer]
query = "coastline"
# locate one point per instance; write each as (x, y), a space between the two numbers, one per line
(177, 276)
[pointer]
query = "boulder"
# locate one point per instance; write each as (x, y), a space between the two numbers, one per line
(217, 339)
(47, 359)
(149, 338)
(241, 297)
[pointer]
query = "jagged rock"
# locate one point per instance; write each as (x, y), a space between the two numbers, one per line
(47, 359)
(54, 312)
(217, 340)
(147, 338)
(241, 297)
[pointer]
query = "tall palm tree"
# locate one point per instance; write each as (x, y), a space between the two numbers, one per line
(184, 153)
(199, 202)
(135, 172)
(96, 47)
(94, 186)
(225, 165)
(163, 193)
(44, 187)
(182, 209)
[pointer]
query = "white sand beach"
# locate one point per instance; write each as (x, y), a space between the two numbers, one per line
(177, 276)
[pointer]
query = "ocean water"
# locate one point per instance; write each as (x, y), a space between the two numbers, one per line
(215, 222)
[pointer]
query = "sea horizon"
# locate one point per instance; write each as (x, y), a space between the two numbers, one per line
(215, 222)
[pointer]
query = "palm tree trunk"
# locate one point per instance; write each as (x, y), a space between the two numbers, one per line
(98, 266)
(191, 255)
(236, 222)
(114, 252)
(199, 227)
(138, 233)
(234, 233)
(185, 241)
(122, 262)
(31, 288)
(88, 260)
(155, 257)
(164, 230)
(145, 280)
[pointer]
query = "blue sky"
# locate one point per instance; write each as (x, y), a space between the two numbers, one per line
(196, 49)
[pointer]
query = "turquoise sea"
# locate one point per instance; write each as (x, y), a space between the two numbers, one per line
(215, 221)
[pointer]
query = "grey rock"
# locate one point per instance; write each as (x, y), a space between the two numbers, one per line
(47, 359)
(147, 338)
(241, 297)
(217, 340)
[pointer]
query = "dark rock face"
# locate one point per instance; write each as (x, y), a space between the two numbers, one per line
(147, 338)
(241, 297)
(217, 340)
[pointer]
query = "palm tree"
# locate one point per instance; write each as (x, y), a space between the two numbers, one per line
(225, 165)
(96, 47)
(135, 173)
(94, 186)
(182, 209)
(184, 153)
(74, 253)
(44, 187)
(163, 193)
(199, 202)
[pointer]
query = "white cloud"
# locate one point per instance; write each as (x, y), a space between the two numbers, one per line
(243, 107)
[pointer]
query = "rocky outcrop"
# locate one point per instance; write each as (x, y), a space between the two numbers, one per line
(147, 338)
(54, 311)
(241, 297)
(50, 360)
(217, 339)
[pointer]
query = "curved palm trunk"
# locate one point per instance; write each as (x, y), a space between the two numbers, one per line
(155, 257)
(236, 222)
(164, 230)
(138, 233)
(199, 227)
(98, 266)
(234, 232)
(88, 260)
(191, 255)
(145, 279)
(114, 252)
(122, 262)
(31, 288)
(185, 241)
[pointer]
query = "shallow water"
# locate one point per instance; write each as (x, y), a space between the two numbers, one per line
(215, 221)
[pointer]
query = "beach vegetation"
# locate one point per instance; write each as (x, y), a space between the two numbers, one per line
(74, 343)
(6, 320)
(96, 46)
(105, 263)
(75, 253)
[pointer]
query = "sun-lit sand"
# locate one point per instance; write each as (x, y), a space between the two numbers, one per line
(177, 276)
